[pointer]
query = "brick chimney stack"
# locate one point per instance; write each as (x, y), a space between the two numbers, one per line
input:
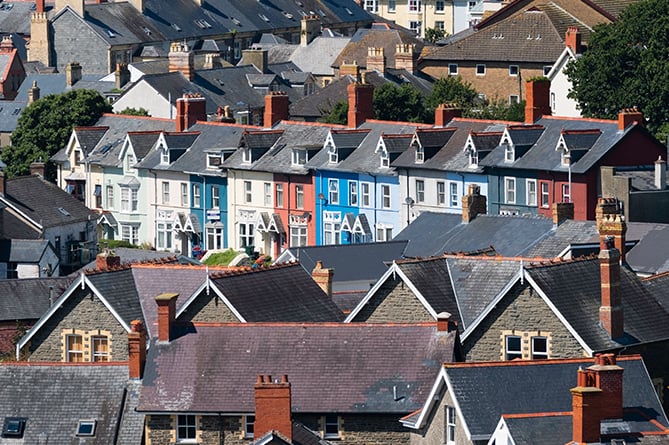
(310, 28)
(190, 109)
(273, 407)
(350, 69)
(360, 103)
(445, 113)
(121, 75)
(611, 308)
(445, 322)
(276, 108)
(107, 260)
(73, 73)
(33, 93)
(376, 59)
(611, 223)
(537, 99)
(323, 277)
(136, 350)
(39, 6)
(405, 57)
(628, 116)
(473, 204)
(257, 58)
(562, 211)
(597, 396)
(572, 39)
(181, 58)
(37, 168)
(167, 304)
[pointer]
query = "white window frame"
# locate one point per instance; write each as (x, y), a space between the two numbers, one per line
(452, 69)
(416, 26)
(509, 153)
(512, 354)
(214, 160)
(299, 196)
(385, 196)
(249, 423)
(333, 191)
(248, 192)
(196, 196)
(184, 194)
(414, 6)
(215, 197)
(439, 6)
(96, 354)
(531, 192)
(298, 236)
(299, 157)
(482, 67)
(279, 195)
(164, 156)
(539, 355)
(110, 197)
(352, 193)
(331, 233)
(246, 234)
(70, 352)
(441, 193)
(566, 193)
(509, 190)
(439, 24)
(450, 418)
(385, 159)
(186, 428)
(246, 155)
(392, 5)
(453, 194)
(384, 232)
(514, 70)
(164, 238)
(473, 158)
(545, 195)
(372, 6)
(420, 154)
(129, 199)
(420, 190)
(513, 99)
(130, 233)
(214, 235)
(333, 156)
(365, 195)
(165, 187)
(267, 187)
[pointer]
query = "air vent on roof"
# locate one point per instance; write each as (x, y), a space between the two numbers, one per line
(110, 33)
(199, 23)
(177, 27)
(146, 30)
(287, 14)
(236, 22)
(322, 13)
(349, 11)
(16, 111)
(63, 211)
(300, 4)
(264, 17)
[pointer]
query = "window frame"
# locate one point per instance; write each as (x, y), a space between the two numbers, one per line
(353, 193)
(133, 233)
(299, 196)
(385, 196)
(184, 194)
(514, 70)
(365, 194)
(246, 155)
(164, 239)
(414, 6)
(197, 195)
(184, 427)
(248, 192)
(510, 187)
(299, 157)
(531, 196)
(480, 69)
(333, 191)
(278, 192)
(299, 236)
(330, 421)
(539, 355)
(96, 353)
(371, 6)
(566, 193)
(214, 234)
(69, 351)
(452, 69)
(110, 196)
(441, 193)
(165, 188)
(333, 230)
(512, 354)
(247, 238)
(392, 6)
(267, 193)
(420, 190)
(86, 423)
(450, 421)
(439, 6)
(513, 99)
(545, 203)
(249, 423)
(215, 197)
(416, 26)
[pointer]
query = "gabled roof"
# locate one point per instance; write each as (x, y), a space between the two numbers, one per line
(29, 298)
(573, 288)
(658, 286)
(283, 293)
(485, 391)
(22, 250)
(367, 368)
(319, 55)
(356, 50)
(54, 397)
(42, 204)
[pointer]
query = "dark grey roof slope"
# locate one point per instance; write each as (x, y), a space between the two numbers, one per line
(15, 17)
(649, 255)
(55, 397)
(545, 429)
(575, 291)
(22, 251)
(569, 233)
(42, 202)
(359, 364)
(142, 142)
(658, 286)
(28, 298)
(484, 393)
(121, 24)
(435, 233)
(284, 293)
(351, 262)
(118, 288)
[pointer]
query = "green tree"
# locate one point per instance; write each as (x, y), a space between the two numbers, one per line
(45, 126)
(626, 64)
(452, 89)
(338, 114)
(498, 110)
(433, 35)
(404, 103)
(134, 111)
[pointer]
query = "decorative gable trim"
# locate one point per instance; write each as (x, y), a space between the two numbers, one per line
(207, 286)
(82, 281)
(392, 271)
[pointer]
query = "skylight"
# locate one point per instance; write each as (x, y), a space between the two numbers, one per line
(13, 427)
(64, 212)
(86, 428)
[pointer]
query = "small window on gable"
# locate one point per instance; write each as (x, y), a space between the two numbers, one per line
(164, 157)
(246, 156)
(333, 159)
(513, 347)
(509, 153)
(86, 428)
(13, 427)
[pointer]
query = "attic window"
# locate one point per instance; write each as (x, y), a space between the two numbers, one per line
(348, 11)
(420, 154)
(213, 160)
(63, 211)
(13, 427)
(86, 428)
(299, 157)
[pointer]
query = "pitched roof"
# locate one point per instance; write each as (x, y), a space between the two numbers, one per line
(319, 55)
(29, 298)
(356, 50)
(485, 391)
(284, 293)
(574, 289)
(359, 363)
(658, 286)
(44, 203)
(55, 397)
(22, 250)
(118, 288)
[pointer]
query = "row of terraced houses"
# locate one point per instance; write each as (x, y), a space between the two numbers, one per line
(190, 185)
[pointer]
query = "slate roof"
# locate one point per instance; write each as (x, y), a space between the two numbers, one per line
(486, 391)
(318, 57)
(284, 293)
(356, 49)
(649, 255)
(177, 144)
(118, 288)
(41, 201)
(15, 18)
(28, 298)
(359, 363)
(574, 289)
(22, 251)
(129, 255)
(658, 286)
(54, 397)
(527, 37)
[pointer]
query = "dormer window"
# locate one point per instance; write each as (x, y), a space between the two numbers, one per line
(565, 158)
(299, 157)
(246, 156)
(385, 159)
(420, 154)
(77, 157)
(213, 160)
(332, 153)
(130, 161)
(473, 158)
(165, 157)
(509, 153)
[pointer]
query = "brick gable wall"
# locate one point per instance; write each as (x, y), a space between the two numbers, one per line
(521, 310)
(83, 311)
(393, 302)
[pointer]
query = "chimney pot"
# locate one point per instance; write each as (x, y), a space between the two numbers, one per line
(628, 116)
(276, 108)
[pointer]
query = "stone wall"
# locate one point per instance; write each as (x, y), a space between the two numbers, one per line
(393, 302)
(208, 308)
(434, 433)
(82, 311)
(521, 310)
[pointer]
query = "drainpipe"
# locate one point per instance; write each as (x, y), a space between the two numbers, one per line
(155, 207)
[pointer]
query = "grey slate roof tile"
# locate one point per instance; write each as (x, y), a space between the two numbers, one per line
(343, 357)
(119, 289)
(28, 298)
(22, 251)
(284, 293)
(54, 397)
